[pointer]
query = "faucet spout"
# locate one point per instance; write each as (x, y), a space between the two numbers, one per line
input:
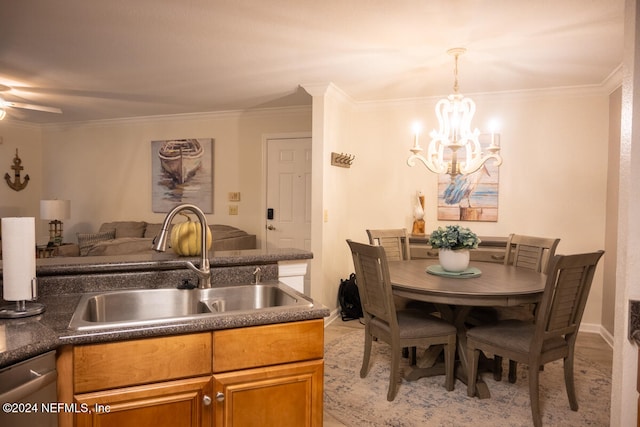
(160, 244)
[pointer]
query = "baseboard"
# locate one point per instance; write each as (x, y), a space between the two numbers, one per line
(596, 328)
(332, 316)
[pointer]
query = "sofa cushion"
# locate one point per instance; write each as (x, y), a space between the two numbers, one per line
(222, 232)
(153, 230)
(125, 228)
(87, 240)
(121, 246)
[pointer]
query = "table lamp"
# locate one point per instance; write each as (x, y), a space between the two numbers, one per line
(55, 210)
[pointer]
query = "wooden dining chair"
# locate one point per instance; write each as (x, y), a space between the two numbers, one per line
(553, 334)
(394, 241)
(398, 328)
(532, 253)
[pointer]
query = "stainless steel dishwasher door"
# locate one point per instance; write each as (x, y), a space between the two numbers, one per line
(24, 388)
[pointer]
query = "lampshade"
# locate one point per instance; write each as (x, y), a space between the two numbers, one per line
(55, 209)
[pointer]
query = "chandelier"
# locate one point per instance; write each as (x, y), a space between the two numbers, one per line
(454, 115)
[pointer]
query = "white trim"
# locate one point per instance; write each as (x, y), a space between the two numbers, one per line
(570, 91)
(209, 115)
(596, 328)
(332, 316)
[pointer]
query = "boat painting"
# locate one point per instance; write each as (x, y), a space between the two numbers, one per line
(182, 172)
(181, 158)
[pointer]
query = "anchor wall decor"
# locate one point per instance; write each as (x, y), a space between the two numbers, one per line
(17, 184)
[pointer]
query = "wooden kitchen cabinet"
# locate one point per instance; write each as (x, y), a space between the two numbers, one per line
(270, 375)
(172, 403)
(276, 370)
(163, 381)
(284, 395)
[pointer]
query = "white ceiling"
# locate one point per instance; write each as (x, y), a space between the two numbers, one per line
(129, 58)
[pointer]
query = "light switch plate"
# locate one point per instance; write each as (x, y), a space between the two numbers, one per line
(233, 209)
(234, 196)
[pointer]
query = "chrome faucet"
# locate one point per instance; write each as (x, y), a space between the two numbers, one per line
(160, 244)
(257, 276)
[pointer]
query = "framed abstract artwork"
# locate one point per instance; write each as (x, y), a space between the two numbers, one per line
(472, 197)
(182, 172)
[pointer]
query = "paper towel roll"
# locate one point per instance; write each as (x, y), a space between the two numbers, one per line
(19, 258)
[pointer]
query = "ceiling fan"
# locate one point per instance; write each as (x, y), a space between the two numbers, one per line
(10, 104)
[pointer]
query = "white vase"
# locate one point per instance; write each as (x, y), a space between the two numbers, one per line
(454, 261)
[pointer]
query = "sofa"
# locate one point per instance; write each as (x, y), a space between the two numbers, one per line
(134, 237)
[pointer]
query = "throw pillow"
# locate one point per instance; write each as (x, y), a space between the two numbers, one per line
(87, 240)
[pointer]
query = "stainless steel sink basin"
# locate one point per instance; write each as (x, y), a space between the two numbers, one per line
(142, 307)
(253, 297)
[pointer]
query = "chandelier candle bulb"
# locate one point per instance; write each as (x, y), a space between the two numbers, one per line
(417, 127)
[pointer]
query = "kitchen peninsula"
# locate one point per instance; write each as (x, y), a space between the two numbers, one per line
(222, 339)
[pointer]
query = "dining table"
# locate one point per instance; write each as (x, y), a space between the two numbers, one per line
(483, 284)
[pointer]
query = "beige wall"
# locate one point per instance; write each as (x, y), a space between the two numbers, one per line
(104, 168)
(27, 140)
(552, 181)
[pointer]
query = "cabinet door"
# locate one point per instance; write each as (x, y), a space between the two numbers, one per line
(284, 395)
(172, 404)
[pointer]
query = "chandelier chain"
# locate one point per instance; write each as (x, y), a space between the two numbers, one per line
(455, 75)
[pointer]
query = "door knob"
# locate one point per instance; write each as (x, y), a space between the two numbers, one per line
(270, 227)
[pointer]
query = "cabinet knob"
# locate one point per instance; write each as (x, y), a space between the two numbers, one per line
(220, 396)
(206, 400)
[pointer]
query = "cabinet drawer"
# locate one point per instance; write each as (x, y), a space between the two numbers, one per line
(142, 361)
(267, 345)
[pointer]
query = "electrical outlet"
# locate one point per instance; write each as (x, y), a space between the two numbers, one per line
(233, 209)
(234, 196)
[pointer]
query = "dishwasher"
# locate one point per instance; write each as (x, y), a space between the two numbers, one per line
(25, 390)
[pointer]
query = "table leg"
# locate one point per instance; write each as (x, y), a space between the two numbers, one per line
(457, 316)
(427, 367)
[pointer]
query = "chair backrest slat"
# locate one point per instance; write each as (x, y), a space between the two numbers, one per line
(394, 241)
(530, 252)
(374, 284)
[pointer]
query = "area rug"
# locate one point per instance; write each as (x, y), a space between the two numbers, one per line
(358, 402)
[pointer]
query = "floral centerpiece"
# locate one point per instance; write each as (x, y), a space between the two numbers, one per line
(453, 242)
(453, 237)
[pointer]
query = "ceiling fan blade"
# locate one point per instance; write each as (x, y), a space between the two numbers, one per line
(33, 107)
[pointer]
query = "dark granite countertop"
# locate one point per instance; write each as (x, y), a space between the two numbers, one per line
(21, 339)
(162, 260)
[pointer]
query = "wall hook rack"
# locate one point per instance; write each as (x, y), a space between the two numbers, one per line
(342, 160)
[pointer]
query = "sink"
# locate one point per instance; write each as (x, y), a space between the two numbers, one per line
(141, 307)
(254, 297)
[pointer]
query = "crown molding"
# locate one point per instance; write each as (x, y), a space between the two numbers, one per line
(210, 115)
(611, 83)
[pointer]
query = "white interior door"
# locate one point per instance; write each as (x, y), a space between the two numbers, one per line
(288, 218)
